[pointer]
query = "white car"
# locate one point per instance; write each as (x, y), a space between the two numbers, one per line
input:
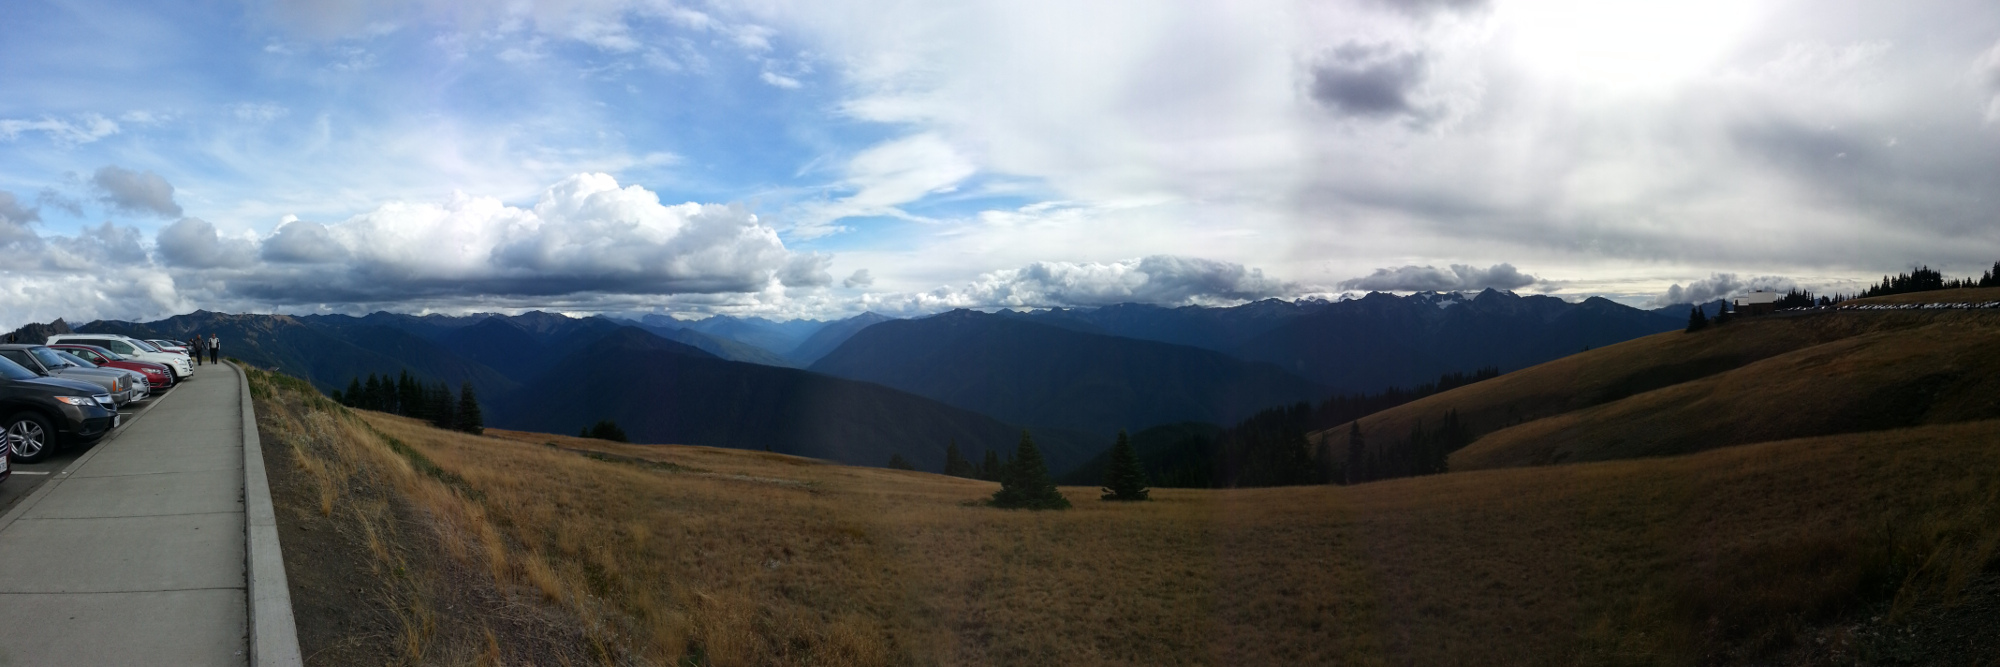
(168, 346)
(134, 348)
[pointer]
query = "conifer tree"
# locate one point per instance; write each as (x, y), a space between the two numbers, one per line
(1025, 482)
(373, 399)
(1696, 320)
(990, 469)
(1356, 449)
(955, 463)
(897, 462)
(469, 419)
(1124, 479)
(443, 410)
(605, 429)
(352, 397)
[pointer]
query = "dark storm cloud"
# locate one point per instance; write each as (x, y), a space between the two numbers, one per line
(1458, 278)
(1369, 81)
(193, 243)
(136, 192)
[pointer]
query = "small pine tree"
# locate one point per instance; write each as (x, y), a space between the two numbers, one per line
(373, 397)
(1696, 320)
(897, 462)
(1124, 479)
(606, 429)
(990, 469)
(469, 419)
(1025, 483)
(1356, 449)
(955, 463)
(352, 397)
(442, 409)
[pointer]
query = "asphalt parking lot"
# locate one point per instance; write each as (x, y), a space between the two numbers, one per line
(29, 476)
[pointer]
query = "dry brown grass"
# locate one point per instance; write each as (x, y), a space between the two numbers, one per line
(1594, 381)
(677, 554)
(1974, 295)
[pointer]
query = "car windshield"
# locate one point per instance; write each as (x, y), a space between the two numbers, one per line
(143, 345)
(48, 357)
(74, 359)
(14, 371)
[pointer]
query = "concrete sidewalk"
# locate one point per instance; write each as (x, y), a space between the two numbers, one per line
(137, 554)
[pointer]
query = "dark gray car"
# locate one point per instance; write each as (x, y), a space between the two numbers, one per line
(46, 363)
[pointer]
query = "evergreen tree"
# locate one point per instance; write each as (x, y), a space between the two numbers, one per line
(955, 463)
(372, 399)
(1356, 450)
(469, 419)
(990, 469)
(1025, 482)
(353, 393)
(443, 410)
(605, 429)
(1696, 320)
(1124, 479)
(897, 462)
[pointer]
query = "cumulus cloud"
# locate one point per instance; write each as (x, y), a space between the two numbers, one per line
(14, 220)
(193, 243)
(136, 192)
(1721, 286)
(1456, 278)
(860, 278)
(586, 237)
(1374, 81)
(1160, 279)
(302, 242)
(807, 270)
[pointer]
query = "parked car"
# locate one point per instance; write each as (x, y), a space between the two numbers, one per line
(131, 347)
(42, 414)
(141, 387)
(169, 346)
(158, 375)
(45, 362)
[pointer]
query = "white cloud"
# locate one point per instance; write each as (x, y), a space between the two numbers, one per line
(779, 80)
(85, 128)
(1721, 286)
(860, 278)
(1457, 278)
(1160, 279)
(884, 177)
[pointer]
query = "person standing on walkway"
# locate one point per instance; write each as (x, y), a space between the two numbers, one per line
(194, 349)
(214, 345)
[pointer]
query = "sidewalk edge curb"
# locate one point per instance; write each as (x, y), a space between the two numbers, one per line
(274, 633)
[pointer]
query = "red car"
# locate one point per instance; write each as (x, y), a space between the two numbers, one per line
(158, 376)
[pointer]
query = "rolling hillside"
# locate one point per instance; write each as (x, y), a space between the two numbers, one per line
(1753, 380)
(1872, 548)
(829, 337)
(1029, 373)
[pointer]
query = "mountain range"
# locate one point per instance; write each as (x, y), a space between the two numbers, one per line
(860, 389)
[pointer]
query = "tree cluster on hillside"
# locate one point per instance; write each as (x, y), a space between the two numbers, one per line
(956, 465)
(604, 429)
(1271, 448)
(409, 396)
(1925, 279)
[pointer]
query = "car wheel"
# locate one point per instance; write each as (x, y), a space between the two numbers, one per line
(30, 438)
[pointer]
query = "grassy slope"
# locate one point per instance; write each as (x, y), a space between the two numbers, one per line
(1677, 392)
(754, 558)
(1974, 295)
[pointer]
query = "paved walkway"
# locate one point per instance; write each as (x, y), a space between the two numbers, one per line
(136, 554)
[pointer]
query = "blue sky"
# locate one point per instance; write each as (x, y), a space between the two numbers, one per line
(819, 159)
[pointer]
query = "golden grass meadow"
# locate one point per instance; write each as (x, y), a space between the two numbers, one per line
(523, 548)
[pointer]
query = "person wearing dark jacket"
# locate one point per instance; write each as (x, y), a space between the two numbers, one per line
(194, 349)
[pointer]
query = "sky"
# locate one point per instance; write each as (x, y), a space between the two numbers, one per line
(819, 159)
